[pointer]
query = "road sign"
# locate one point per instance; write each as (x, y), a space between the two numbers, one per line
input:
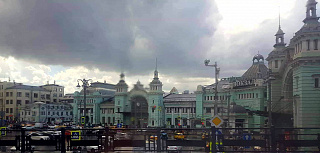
(75, 135)
(119, 125)
(216, 121)
(247, 136)
(82, 120)
(3, 131)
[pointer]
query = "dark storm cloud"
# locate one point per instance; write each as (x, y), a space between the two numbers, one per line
(102, 33)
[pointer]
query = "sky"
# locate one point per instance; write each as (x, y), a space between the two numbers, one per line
(60, 40)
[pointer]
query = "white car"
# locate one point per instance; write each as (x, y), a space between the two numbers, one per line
(51, 126)
(174, 148)
(39, 136)
(29, 127)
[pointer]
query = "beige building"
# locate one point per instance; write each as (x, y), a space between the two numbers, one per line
(15, 96)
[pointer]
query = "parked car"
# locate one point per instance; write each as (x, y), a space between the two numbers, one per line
(38, 136)
(52, 126)
(38, 125)
(179, 136)
(174, 149)
(29, 127)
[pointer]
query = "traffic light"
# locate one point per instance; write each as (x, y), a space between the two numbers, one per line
(202, 123)
(179, 124)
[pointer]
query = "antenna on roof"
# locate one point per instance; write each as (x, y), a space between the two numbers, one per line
(9, 79)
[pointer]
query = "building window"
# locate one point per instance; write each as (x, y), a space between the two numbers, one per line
(7, 94)
(48, 113)
(276, 64)
(315, 44)
(61, 113)
(208, 110)
(27, 94)
(118, 102)
(42, 96)
(11, 94)
(54, 95)
(19, 102)
(19, 94)
(308, 44)
(316, 83)
(152, 122)
(7, 110)
(47, 96)
(11, 101)
(67, 113)
(60, 95)
(118, 110)
(35, 95)
(11, 110)
(7, 101)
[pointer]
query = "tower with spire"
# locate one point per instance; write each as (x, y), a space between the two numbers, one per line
(156, 117)
(120, 98)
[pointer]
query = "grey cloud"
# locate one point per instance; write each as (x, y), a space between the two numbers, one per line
(101, 33)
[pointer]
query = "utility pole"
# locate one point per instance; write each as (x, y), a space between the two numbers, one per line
(217, 70)
(269, 99)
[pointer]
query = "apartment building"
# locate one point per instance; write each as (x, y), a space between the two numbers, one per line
(15, 96)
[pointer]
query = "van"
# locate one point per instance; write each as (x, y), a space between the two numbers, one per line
(38, 125)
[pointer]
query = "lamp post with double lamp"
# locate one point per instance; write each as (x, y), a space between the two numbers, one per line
(217, 70)
(85, 85)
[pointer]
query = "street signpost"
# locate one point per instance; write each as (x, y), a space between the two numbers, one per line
(119, 125)
(75, 135)
(83, 120)
(3, 131)
(247, 136)
(216, 121)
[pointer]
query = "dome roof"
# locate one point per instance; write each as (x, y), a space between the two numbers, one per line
(257, 71)
(258, 57)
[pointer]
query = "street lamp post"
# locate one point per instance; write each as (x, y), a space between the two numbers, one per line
(85, 85)
(217, 70)
(269, 99)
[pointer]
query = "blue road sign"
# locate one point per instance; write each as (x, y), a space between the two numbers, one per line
(3, 131)
(247, 136)
(119, 125)
(218, 132)
(75, 135)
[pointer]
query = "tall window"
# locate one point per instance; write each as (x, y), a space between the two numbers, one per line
(308, 44)
(315, 44)
(316, 82)
(276, 64)
(19, 94)
(208, 110)
(35, 95)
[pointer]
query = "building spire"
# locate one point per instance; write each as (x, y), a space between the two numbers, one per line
(156, 70)
(279, 19)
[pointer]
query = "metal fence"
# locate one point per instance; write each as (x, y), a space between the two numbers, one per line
(214, 140)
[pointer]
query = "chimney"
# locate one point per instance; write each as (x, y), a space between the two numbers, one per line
(54, 82)
(105, 81)
(47, 82)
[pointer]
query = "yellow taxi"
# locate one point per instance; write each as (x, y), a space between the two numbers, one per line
(153, 137)
(179, 136)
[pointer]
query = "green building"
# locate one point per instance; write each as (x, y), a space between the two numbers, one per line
(296, 68)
